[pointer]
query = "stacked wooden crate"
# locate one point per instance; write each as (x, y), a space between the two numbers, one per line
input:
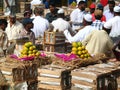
(54, 42)
(68, 47)
(95, 77)
(54, 78)
(19, 73)
(24, 6)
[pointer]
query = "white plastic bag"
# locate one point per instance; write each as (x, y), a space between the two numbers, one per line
(7, 11)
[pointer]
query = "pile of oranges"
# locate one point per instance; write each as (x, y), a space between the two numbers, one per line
(29, 50)
(80, 50)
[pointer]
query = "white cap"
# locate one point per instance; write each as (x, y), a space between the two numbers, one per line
(60, 11)
(79, 1)
(117, 9)
(88, 17)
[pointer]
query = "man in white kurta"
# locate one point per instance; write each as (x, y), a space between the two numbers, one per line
(60, 24)
(114, 25)
(98, 41)
(40, 24)
(80, 36)
(109, 13)
(76, 17)
(13, 28)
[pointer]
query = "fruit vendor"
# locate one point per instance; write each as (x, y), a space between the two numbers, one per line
(95, 44)
(3, 37)
(80, 36)
(28, 25)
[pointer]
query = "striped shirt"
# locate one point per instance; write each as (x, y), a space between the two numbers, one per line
(97, 24)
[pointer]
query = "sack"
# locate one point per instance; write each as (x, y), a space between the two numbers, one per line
(7, 11)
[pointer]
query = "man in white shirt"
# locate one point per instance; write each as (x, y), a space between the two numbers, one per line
(60, 24)
(13, 31)
(80, 36)
(35, 2)
(109, 13)
(11, 5)
(76, 17)
(40, 24)
(113, 25)
(14, 28)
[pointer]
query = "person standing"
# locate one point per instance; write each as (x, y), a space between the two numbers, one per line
(113, 25)
(11, 5)
(60, 24)
(52, 15)
(40, 24)
(3, 37)
(13, 28)
(109, 13)
(76, 17)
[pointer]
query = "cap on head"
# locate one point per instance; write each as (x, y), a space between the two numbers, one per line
(88, 17)
(92, 6)
(78, 1)
(26, 21)
(60, 11)
(117, 9)
(100, 6)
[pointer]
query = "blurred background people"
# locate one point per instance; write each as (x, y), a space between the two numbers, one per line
(113, 25)
(11, 5)
(109, 13)
(40, 24)
(3, 37)
(52, 15)
(28, 25)
(99, 7)
(81, 34)
(14, 28)
(60, 24)
(92, 8)
(13, 31)
(76, 17)
(98, 24)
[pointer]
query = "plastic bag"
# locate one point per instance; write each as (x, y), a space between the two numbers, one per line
(7, 11)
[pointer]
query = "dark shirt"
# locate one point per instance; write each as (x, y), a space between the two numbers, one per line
(46, 5)
(50, 17)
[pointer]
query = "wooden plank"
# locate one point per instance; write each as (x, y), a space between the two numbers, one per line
(83, 83)
(49, 87)
(80, 74)
(49, 79)
(52, 72)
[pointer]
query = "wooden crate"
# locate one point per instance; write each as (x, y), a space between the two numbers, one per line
(24, 6)
(32, 84)
(95, 77)
(54, 78)
(17, 71)
(54, 48)
(68, 47)
(54, 38)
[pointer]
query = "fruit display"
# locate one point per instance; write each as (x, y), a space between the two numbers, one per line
(29, 50)
(80, 50)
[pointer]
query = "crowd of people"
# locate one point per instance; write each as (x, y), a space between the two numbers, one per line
(98, 29)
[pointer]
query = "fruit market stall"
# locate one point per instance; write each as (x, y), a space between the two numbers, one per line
(46, 70)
